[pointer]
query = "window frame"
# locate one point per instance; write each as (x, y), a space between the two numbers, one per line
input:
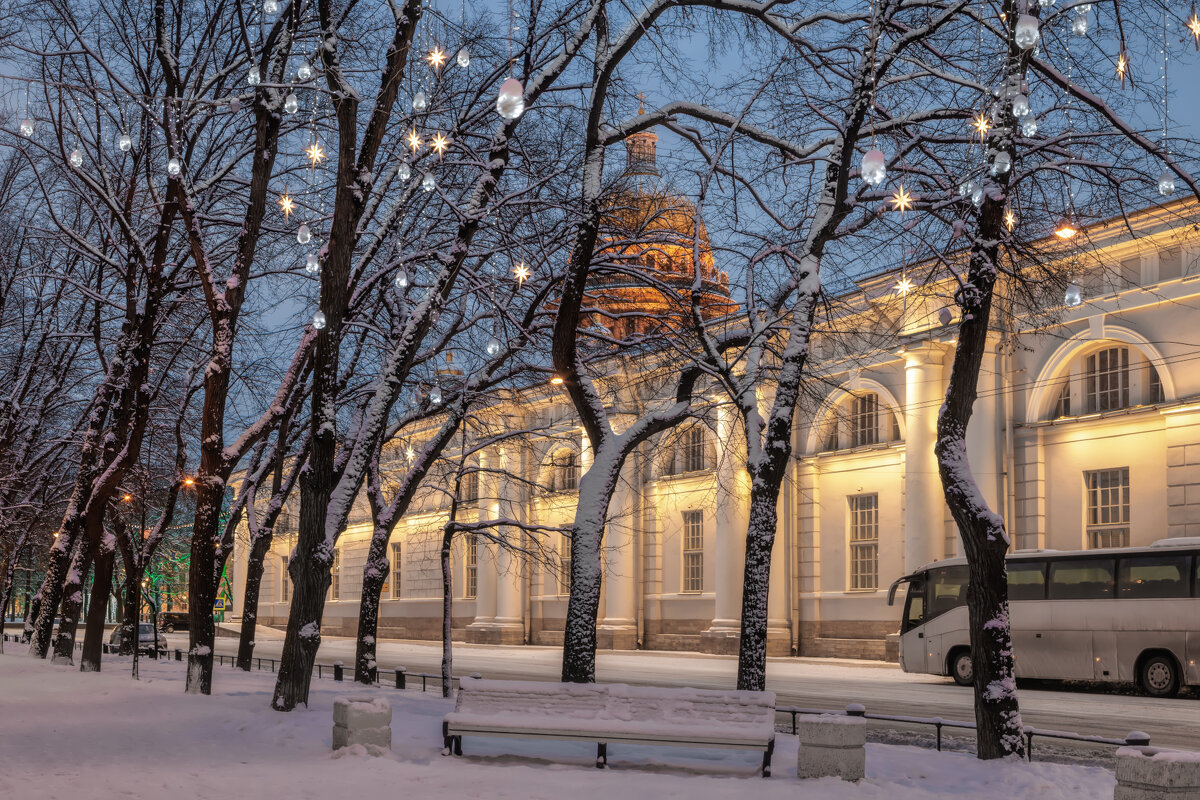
(864, 419)
(397, 576)
(563, 576)
(1096, 530)
(471, 567)
(1098, 398)
(335, 576)
(862, 519)
(285, 581)
(691, 564)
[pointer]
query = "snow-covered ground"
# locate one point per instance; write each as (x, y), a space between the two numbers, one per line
(68, 735)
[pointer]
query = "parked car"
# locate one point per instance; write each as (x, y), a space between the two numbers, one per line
(171, 621)
(146, 639)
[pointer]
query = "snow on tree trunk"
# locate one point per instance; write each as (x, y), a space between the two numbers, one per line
(254, 575)
(760, 539)
(49, 595)
(447, 612)
(72, 602)
(93, 636)
(202, 585)
(6, 583)
(366, 668)
(131, 610)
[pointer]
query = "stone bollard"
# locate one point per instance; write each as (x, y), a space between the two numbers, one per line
(362, 720)
(831, 746)
(1151, 773)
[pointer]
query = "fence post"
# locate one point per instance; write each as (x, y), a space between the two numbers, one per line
(1137, 739)
(337, 670)
(938, 726)
(856, 710)
(319, 675)
(400, 677)
(178, 654)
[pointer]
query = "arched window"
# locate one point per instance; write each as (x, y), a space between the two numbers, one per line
(564, 470)
(689, 449)
(1106, 378)
(859, 420)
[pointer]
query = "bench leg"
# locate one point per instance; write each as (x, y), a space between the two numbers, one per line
(458, 745)
(601, 754)
(766, 767)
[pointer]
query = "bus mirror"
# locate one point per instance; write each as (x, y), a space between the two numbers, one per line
(896, 585)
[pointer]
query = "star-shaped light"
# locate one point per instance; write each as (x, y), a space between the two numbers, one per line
(1010, 219)
(901, 201)
(1193, 24)
(1122, 67)
(436, 57)
(287, 205)
(409, 453)
(981, 124)
(521, 273)
(315, 153)
(414, 140)
(439, 143)
(904, 286)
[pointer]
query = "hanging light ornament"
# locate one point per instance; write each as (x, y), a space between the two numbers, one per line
(318, 320)
(901, 201)
(874, 167)
(981, 124)
(1122, 66)
(1010, 219)
(493, 347)
(521, 273)
(124, 143)
(401, 280)
(27, 127)
(510, 103)
(1029, 126)
(1027, 31)
(903, 286)
(1066, 229)
(1079, 25)
(435, 395)
(254, 76)
(1166, 184)
(291, 104)
(1020, 106)
(270, 6)
(439, 143)
(1193, 25)
(1001, 164)
(286, 204)
(404, 171)
(977, 194)
(436, 58)
(463, 59)
(312, 263)
(428, 183)
(303, 234)
(420, 102)
(965, 189)
(304, 71)
(414, 140)
(174, 167)
(76, 159)
(314, 152)
(1073, 297)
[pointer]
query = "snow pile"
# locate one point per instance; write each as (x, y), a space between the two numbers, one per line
(61, 730)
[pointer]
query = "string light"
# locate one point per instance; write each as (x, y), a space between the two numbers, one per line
(286, 204)
(314, 152)
(439, 143)
(982, 125)
(521, 273)
(901, 201)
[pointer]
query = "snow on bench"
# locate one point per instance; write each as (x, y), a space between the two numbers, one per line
(613, 713)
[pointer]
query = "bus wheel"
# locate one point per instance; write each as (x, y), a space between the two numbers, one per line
(1159, 676)
(962, 669)
(169, 628)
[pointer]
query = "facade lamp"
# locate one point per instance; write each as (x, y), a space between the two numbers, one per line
(1066, 229)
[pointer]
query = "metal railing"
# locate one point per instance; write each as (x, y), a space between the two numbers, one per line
(1133, 738)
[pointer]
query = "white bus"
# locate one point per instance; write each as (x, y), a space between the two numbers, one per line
(1119, 614)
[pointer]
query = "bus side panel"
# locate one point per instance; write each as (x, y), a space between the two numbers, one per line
(1192, 665)
(1104, 655)
(1029, 622)
(942, 634)
(1132, 643)
(1067, 642)
(912, 651)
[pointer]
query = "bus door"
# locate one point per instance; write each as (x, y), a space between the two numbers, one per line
(912, 634)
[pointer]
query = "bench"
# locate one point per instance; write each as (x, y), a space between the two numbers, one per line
(610, 713)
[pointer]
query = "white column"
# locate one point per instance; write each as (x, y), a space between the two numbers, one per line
(985, 435)
(479, 630)
(618, 627)
(924, 503)
(732, 519)
(510, 621)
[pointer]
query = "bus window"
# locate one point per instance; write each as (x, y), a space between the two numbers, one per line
(914, 605)
(1153, 576)
(948, 589)
(1027, 580)
(1082, 579)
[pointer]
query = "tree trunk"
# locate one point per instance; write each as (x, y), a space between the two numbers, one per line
(72, 602)
(130, 615)
(6, 583)
(760, 539)
(202, 585)
(366, 666)
(93, 636)
(50, 593)
(254, 574)
(447, 612)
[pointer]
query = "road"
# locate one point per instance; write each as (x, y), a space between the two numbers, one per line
(805, 682)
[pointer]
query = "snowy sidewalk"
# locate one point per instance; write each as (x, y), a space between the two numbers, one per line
(61, 730)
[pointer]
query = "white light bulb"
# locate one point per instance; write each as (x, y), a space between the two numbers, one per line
(291, 104)
(27, 127)
(976, 195)
(1002, 164)
(493, 347)
(125, 143)
(1027, 31)
(254, 76)
(428, 183)
(1020, 106)
(1079, 26)
(404, 172)
(76, 158)
(174, 167)
(304, 71)
(1073, 296)
(1166, 184)
(318, 320)
(874, 167)
(270, 6)
(463, 58)
(303, 234)
(312, 263)
(420, 102)
(435, 396)
(401, 280)
(1029, 126)
(510, 103)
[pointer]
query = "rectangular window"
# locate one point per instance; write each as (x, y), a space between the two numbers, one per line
(285, 580)
(1027, 580)
(471, 579)
(1107, 379)
(864, 420)
(397, 568)
(695, 449)
(1082, 579)
(564, 565)
(1107, 508)
(1153, 576)
(1154, 393)
(1062, 408)
(1131, 271)
(1170, 263)
(335, 577)
(864, 541)
(947, 589)
(470, 486)
(693, 551)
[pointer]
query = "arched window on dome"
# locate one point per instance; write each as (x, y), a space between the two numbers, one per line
(1108, 376)
(860, 419)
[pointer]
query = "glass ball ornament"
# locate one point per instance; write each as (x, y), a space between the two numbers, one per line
(420, 102)
(1001, 164)
(76, 158)
(312, 263)
(404, 172)
(463, 59)
(1029, 126)
(1083, 8)
(1079, 25)
(304, 71)
(303, 234)
(493, 347)
(270, 6)
(510, 103)
(1073, 297)
(965, 188)
(124, 143)
(977, 195)
(318, 320)
(174, 167)
(1166, 184)
(428, 183)
(435, 395)
(874, 167)
(1027, 31)
(401, 280)
(254, 76)
(27, 127)
(1020, 106)
(291, 104)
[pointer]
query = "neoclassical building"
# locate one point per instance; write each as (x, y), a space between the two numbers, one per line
(1086, 434)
